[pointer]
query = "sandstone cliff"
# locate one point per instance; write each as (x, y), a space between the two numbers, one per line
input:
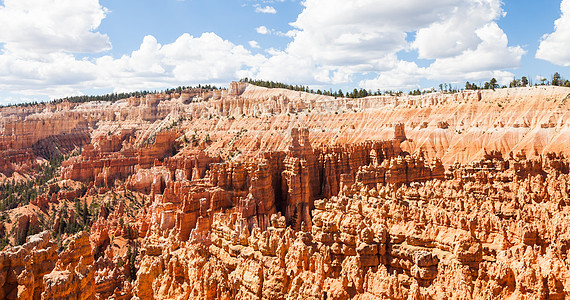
(452, 127)
(261, 193)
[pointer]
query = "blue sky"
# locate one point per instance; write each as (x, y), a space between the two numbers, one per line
(51, 49)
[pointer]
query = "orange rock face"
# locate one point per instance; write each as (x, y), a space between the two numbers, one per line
(35, 270)
(433, 238)
(107, 162)
(253, 193)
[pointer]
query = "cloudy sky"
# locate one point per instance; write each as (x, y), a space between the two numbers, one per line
(51, 49)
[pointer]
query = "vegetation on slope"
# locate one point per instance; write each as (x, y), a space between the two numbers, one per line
(15, 194)
(356, 93)
(112, 97)
(557, 80)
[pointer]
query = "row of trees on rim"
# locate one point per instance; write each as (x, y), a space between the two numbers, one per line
(112, 97)
(492, 84)
(355, 93)
(556, 80)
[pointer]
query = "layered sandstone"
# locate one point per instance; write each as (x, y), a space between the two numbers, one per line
(188, 192)
(269, 194)
(432, 239)
(111, 159)
(36, 270)
(530, 119)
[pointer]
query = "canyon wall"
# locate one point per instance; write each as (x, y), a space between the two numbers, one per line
(469, 235)
(453, 127)
(269, 194)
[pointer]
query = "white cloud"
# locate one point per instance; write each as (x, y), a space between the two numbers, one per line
(207, 59)
(262, 30)
(457, 32)
(38, 58)
(340, 33)
(539, 79)
(39, 38)
(50, 26)
(405, 75)
(554, 46)
(341, 39)
(333, 42)
(283, 67)
(290, 33)
(490, 55)
(265, 10)
(268, 31)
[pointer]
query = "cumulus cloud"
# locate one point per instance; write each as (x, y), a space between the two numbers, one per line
(486, 61)
(332, 42)
(193, 59)
(51, 26)
(262, 30)
(346, 38)
(40, 41)
(405, 75)
(540, 79)
(457, 32)
(56, 74)
(554, 46)
(265, 10)
(489, 55)
(281, 66)
(205, 59)
(268, 31)
(39, 38)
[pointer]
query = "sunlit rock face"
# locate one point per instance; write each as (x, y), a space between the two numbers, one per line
(254, 193)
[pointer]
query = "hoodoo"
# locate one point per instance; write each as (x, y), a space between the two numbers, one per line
(257, 193)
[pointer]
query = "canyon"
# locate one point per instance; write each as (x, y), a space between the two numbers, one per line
(256, 193)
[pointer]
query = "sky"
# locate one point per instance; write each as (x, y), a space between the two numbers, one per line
(58, 48)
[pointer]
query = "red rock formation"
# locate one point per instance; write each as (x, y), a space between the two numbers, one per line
(72, 277)
(273, 194)
(109, 161)
(237, 88)
(301, 180)
(375, 240)
(35, 270)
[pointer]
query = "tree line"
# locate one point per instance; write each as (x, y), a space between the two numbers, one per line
(113, 97)
(14, 194)
(355, 93)
(556, 80)
(119, 96)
